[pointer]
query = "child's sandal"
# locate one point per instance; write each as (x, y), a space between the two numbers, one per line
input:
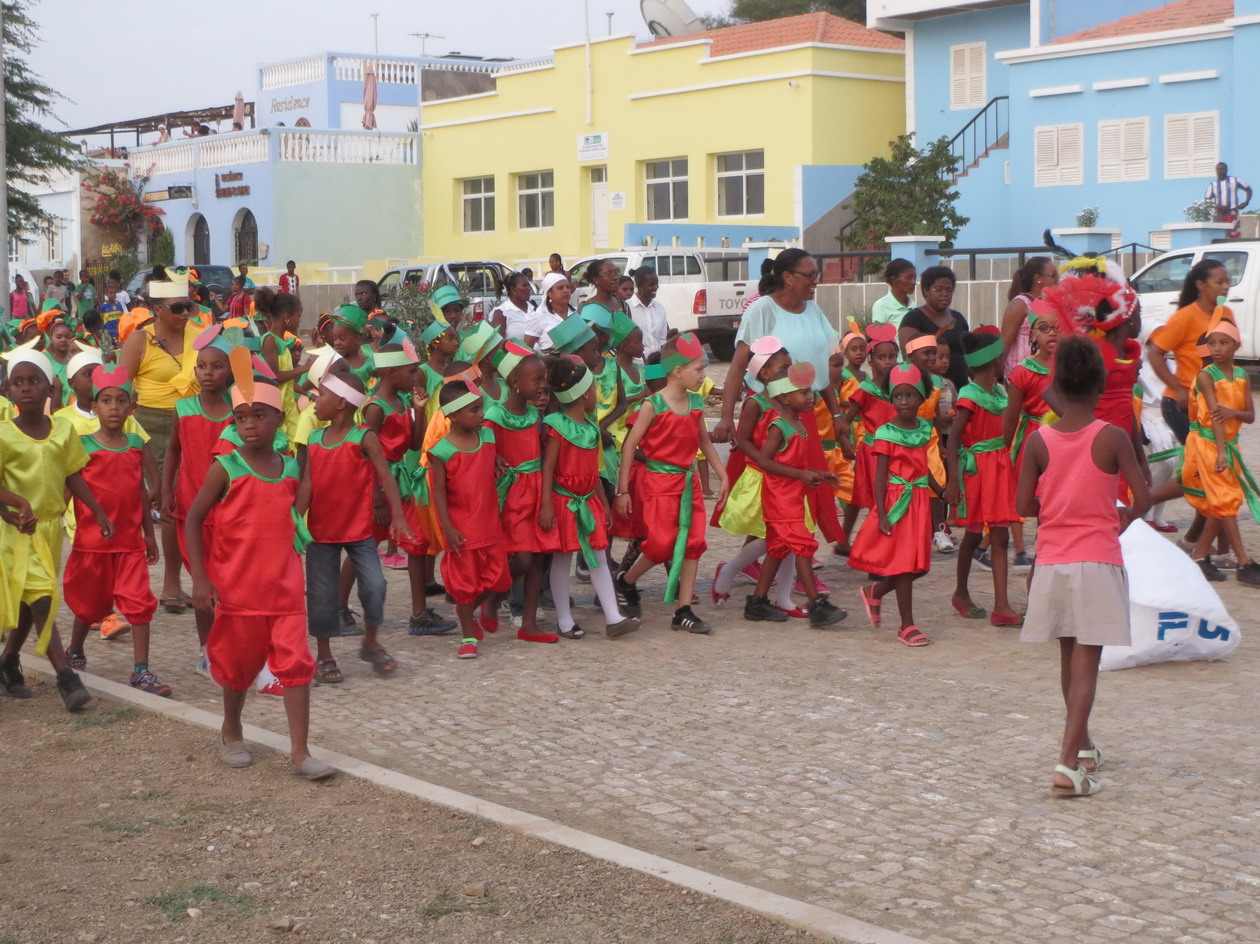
(1083, 784)
(327, 673)
(869, 601)
(382, 662)
(913, 637)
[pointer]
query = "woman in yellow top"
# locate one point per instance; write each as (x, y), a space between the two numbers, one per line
(161, 358)
(1212, 474)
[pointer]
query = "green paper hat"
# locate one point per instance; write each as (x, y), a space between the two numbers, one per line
(50, 304)
(571, 334)
(447, 295)
(477, 342)
(352, 317)
(597, 316)
(622, 325)
(433, 332)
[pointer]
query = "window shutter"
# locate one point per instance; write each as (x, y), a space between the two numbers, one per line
(958, 77)
(1203, 146)
(1134, 150)
(975, 75)
(1071, 157)
(1110, 151)
(1046, 156)
(1176, 145)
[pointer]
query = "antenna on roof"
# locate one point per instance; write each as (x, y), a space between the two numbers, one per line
(423, 36)
(669, 17)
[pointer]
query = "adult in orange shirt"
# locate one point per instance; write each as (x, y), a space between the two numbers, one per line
(1206, 281)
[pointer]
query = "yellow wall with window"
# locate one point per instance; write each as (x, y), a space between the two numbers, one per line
(794, 105)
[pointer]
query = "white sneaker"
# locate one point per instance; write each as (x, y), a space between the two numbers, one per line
(941, 541)
(202, 666)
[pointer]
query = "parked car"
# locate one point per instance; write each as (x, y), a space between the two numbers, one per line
(214, 278)
(713, 310)
(480, 281)
(1158, 285)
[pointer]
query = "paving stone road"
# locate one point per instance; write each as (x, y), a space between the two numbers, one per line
(908, 788)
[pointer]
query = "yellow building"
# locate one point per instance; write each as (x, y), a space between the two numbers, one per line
(745, 133)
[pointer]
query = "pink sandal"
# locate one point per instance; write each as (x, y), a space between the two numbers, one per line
(913, 637)
(872, 605)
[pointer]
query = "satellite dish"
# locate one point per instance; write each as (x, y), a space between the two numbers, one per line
(669, 18)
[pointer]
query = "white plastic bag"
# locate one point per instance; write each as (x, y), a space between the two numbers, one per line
(1174, 614)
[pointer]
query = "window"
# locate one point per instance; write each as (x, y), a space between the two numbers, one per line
(479, 205)
(52, 240)
(1167, 275)
(1191, 144)
(1123, 150)
(1057, 155)
(535, 201)
(741, 183)
(666, 183)
(1235, 264)
(15, 249)
(966, 76)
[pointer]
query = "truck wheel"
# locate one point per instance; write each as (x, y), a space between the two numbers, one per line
(722, 345)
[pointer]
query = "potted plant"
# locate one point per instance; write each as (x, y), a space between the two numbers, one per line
(1199, 228)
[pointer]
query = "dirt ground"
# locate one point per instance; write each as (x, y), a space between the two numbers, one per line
(118, 822)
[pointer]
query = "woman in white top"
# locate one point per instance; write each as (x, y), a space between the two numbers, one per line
(511, 319)
(554, 309)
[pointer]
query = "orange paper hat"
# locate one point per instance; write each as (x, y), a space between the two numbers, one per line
(922, 341)
(254, 381)
(1223, 323)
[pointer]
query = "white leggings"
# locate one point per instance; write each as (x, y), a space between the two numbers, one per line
(601, 580)
(754, 551)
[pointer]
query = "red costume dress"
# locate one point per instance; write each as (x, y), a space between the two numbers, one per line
(742, 512)
(260, 617)
(874, 410)
(198, 440)
(669, 489)
(413, 487)
(1030, 380)
(987, 473)
(102, 574)
(472, 503)
(1115, 406)
(789, 530)
(633, 527)
(342, 484)
(518, 442)
(575, 489)
(908, 550)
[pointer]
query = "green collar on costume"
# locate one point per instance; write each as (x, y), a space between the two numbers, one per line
(498, 414)
(1031, 363)
(788, 431)
(915, 438)
(873, 389)
(992, 400)
(583, 434)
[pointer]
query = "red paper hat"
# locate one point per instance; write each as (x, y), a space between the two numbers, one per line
(689, 346)
(905, 374)
(989, 329)
(878, 333)
(802, 375)
(115, 376)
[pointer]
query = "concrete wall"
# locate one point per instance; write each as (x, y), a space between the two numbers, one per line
(981, 303)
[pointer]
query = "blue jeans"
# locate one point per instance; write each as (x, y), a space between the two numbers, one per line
(323, 572)
(1178, 420)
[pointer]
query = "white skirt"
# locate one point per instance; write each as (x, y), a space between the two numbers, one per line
(1087, 601)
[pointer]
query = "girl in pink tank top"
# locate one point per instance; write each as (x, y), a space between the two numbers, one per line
(1079, 594)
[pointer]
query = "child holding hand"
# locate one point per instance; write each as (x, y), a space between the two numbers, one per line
(1079, 594)
(895, 542)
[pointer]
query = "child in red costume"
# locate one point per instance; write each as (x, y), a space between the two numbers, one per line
(981, 475)
(103, 573)
(785, 461)
(575, 518)
(474, 567)
(895, 543)
(252, 492)
(669, 429)
(344, 466)
(198, 424)
(515, 423)
(870, 403)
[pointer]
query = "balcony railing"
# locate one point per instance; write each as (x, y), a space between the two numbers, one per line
(298, 72)
(285, 145)
(388, 71)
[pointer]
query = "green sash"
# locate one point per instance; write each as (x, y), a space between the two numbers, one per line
(684, 522)
(1235, 461)
(967, 465)
(508, 476)
(580, 506)
(917, 438)
(902, 504)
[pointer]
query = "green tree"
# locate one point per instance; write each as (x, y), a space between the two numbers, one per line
(909, 193)
(33, 153)
(754, 11)
(164, 248)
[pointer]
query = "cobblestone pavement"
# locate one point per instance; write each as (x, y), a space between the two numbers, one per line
(908, 788)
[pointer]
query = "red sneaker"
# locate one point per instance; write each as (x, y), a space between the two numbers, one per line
(536, 637)
(468, 650)
(797, 612)
(752, 571)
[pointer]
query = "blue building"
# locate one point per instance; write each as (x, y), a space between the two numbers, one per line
(1060, 105)
(308, 182)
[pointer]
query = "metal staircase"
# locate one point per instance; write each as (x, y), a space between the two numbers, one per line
(987, 131)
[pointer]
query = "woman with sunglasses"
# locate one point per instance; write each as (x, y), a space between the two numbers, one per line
(160, 358)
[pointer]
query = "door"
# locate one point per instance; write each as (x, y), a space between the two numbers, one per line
(599, 207)
(201, 242)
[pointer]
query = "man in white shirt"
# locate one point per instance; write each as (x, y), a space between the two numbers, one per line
(647, 312)
(1224, 194)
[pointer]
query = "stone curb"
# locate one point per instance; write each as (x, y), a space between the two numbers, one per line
(822, 922)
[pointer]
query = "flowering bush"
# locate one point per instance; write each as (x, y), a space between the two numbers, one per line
(119, 202)
(1201, 211)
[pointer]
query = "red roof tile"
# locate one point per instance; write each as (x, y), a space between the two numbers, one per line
(789, 31)
(1171, 16)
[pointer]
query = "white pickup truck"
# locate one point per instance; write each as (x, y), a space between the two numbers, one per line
(712, 310)
(1158, 284)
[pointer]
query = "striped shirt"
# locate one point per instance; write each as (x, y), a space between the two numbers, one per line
(1224, 193)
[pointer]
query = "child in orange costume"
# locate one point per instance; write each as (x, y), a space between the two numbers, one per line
(252, 491)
